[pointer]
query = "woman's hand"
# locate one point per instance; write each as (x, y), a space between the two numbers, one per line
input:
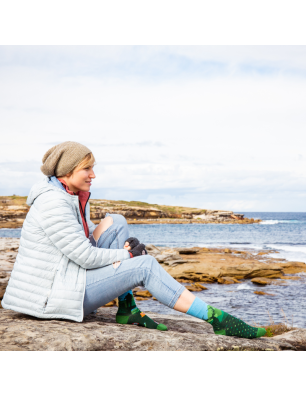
(134, 247)
(140, 249)
(131, 243)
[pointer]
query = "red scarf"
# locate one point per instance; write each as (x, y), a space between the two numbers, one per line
(83, 198)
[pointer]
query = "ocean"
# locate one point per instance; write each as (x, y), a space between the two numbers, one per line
(281, 231)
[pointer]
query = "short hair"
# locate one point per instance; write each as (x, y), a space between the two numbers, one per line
(87, 161)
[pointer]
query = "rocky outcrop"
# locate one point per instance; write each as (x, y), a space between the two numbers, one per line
(194, 265)
(13, 210)
(101, 332)
(8, 252)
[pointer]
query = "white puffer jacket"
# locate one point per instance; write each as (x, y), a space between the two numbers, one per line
(49, 276)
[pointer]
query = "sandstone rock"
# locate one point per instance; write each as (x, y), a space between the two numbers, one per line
(101, 332)
(175, 263)
(252, 270)
(290, 278)
(227, 251)
(2, 290)
(200, 286)
(261, 281)
(262, 293)
(228, 280)
(193, 288)
(144, 294)
(188, 251)
(295, 338)
(112, 303)
(152, 250)
(293, 267)
(267, 281)
(168, 255)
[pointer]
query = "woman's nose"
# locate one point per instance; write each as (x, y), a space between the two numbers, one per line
(92, 175)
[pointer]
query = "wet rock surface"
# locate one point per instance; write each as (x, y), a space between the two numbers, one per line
(101, 332)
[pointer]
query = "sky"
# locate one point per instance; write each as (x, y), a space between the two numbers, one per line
(215, 127)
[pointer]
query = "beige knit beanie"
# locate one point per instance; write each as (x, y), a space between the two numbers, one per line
(63, 158)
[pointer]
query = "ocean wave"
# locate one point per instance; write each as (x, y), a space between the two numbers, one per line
(244, 286)
(288, 248)
(275, 222)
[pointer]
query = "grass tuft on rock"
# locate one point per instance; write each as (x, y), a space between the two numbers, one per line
(277, 329)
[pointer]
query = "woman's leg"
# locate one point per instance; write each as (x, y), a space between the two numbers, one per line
(112, 232)
(107, 283)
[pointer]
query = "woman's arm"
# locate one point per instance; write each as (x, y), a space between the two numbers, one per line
(58, 219)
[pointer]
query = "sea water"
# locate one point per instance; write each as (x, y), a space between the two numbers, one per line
(284, 232)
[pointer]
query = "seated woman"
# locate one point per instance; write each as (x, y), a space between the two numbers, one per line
(67, 267)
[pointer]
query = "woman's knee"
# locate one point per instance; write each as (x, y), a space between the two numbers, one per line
(102, 227)
(149, 261)
(118, 219)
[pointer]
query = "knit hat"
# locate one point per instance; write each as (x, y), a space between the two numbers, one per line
(63, 158)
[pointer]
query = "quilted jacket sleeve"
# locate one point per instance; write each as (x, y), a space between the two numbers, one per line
(58, 218)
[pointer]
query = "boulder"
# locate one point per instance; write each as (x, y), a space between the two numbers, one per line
(175, 262)
(152, 249)
(168, 255)
(293, 267)
(261, 281)
(262, 293)
(267, 281)
(252, 270)
(200, 286)
(101, 332)
(228, 280)
(188, 251)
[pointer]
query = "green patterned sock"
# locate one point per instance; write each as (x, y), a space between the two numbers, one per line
(128, 313)
(226, 324)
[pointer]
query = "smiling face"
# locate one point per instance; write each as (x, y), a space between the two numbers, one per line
(80, 178)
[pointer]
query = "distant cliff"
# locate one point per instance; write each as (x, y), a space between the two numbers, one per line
(13, 210)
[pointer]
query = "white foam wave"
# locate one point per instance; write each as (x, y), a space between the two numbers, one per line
(275, 222)
(288, 248)
(244, 286)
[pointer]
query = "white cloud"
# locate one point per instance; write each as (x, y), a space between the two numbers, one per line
(200, 139)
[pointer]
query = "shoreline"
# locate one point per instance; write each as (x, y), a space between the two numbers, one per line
(17, 223)
(196, 265)
(225, 277)
(13, 211)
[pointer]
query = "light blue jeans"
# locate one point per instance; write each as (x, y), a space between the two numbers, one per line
(106, 283)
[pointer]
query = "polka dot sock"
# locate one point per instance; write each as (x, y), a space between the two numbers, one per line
(128, 313)
(226, 324)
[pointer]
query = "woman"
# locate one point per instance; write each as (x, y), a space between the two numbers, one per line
(67, 267)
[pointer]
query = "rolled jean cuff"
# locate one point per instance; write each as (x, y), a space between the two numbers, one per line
(176, 296)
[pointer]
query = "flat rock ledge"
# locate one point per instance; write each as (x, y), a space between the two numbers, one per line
(101, 332)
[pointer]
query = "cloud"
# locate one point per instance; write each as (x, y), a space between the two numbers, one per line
(202, 126)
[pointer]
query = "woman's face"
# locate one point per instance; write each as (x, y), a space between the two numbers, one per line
(80, 179)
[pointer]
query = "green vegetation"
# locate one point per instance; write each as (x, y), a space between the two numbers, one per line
(165, 208)
(277, 329)
(13, 200)
(21, 200)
